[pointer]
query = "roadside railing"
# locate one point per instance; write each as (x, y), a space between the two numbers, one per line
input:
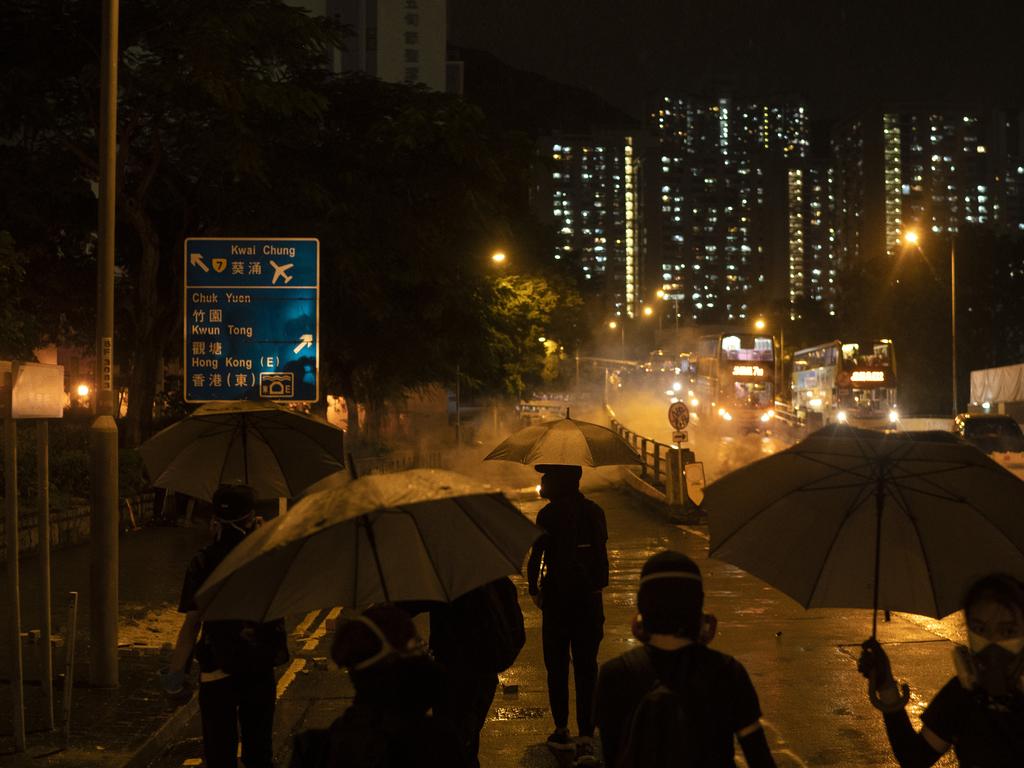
(654, 454)
(399, 461)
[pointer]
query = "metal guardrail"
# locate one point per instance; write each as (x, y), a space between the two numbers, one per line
(654, 454)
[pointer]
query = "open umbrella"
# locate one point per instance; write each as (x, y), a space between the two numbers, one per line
(858, 519)
(277, 451)
(423, 534)
(565, 441)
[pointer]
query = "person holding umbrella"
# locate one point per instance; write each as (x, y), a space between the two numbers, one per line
(980, 711)
(567, 570)
(236, 658)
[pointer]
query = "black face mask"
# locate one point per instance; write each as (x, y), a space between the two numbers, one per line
(996, 667)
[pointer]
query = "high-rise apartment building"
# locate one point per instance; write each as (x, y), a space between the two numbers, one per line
(595, 206)
(737, 207)
(928, 169)
(400, 41)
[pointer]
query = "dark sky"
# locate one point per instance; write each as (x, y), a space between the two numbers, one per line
(836, 53)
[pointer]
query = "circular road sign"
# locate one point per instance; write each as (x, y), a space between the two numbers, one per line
(678, 415)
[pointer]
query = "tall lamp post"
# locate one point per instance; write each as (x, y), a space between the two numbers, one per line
(912, 238)
(613, 324)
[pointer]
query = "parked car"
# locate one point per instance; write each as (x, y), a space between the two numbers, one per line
(989, 432)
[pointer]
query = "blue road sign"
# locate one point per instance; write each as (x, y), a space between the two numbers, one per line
(252, 319)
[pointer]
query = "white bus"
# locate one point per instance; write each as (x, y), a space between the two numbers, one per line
(846, 383)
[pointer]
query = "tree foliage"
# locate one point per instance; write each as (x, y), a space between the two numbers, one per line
(229, 124)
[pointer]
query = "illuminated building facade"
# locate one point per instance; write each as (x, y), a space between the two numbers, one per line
(721, 187)
(595, 206)
(931, 170)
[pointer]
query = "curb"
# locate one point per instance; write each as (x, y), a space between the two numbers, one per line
(165, 735)
(658, 502)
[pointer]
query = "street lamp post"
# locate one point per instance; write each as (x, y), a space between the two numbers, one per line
(911, 237)
(613, 324)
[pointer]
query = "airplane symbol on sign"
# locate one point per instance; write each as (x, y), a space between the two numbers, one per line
(279, 271)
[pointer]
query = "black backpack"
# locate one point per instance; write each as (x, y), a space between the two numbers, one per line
(483, 628)
(237, 647)
(663, 732)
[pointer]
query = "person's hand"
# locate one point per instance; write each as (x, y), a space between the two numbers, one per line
(883, 692)
(537, 599)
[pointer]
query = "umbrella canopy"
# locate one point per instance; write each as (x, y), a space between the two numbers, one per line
(424, 534)
(858, 519)
(565, 441)
(277, 451)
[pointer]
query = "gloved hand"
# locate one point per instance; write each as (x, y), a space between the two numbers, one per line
(883, 692)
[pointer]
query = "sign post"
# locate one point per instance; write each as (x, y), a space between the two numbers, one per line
(252, 319)
(679, 418)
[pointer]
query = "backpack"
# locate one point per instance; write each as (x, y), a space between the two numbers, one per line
(663, 731)
(483, 629)
(502, 631)
(237, 647)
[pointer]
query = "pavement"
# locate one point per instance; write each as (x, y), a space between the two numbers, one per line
(803, 663)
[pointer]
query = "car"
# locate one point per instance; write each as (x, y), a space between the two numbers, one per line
(989, 432)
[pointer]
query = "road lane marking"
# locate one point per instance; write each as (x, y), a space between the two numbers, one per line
(303, 626)
(692, 529)
(289, 676)
(320, 631)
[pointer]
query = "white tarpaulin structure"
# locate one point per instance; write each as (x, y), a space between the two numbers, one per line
(998, 385)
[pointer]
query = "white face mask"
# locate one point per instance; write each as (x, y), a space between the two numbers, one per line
(978, 643)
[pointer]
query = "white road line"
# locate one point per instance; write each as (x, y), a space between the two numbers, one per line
(694, 530)
(320, 631)
(289, 676)
(303, 626)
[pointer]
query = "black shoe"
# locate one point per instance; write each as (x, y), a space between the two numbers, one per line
(561, 740)
(586, 753)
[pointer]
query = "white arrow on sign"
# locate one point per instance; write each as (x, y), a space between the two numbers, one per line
(196, 259)
(306, 340)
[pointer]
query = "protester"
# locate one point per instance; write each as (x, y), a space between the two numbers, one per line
(980, 711)
(236, 659)
(396, 683)
(674, 701)
(567, 570)
(473, 638)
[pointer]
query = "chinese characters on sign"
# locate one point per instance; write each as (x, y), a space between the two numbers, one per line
(251, 319)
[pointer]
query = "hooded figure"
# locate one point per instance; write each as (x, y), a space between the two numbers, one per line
(980, 711)
(389, 722)
(237, 687)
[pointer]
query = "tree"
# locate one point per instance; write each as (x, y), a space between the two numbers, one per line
(208, 91)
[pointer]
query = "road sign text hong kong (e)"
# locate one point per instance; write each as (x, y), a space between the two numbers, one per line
(252, 317)
(678, 415)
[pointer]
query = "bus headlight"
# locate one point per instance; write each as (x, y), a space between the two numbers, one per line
(694, 402)
(814, 402)
(725, 414)
(676, 386)
(841, 417)
(894, 416)
(767, 416)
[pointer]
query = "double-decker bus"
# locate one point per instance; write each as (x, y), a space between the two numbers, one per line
(736, 379)
(843, 382)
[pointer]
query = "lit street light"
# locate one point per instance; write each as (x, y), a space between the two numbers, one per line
(912, 238)
(499, 257)
(648, 311)
(759, 324)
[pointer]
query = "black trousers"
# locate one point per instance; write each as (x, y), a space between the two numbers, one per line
(464, 704)
(241, 700)
(572, 629)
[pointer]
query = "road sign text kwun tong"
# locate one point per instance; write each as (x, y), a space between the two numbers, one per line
(252, 319)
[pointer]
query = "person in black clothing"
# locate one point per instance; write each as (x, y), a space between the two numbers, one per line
(388, 724)
(237, 687)
(567, 570)
(980, 712)
(675, 632)
(461, 642)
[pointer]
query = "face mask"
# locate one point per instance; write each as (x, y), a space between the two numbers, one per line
(995, 667)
